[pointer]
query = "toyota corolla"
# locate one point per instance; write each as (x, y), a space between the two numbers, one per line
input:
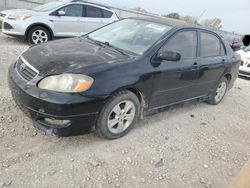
(106, 80)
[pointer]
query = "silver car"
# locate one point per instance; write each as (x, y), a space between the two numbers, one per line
(55, 19)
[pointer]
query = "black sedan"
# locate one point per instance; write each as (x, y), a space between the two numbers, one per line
(132, 68)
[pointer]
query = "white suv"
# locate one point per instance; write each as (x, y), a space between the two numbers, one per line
(56, 19)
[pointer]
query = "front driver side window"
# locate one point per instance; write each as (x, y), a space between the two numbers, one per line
(73, 10)
(183, 42)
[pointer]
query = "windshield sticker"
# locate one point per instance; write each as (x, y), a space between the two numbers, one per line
(157, 27)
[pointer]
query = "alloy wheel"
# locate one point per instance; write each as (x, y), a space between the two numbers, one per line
(121, 117)
(220, 91)
(39, 36)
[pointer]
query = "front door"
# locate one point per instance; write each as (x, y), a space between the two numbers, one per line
(70, 24)
(177, 81)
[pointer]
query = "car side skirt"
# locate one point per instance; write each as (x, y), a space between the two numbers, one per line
(159, 109)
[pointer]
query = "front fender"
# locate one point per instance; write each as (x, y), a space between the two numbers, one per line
(40, 24)
(136, 76)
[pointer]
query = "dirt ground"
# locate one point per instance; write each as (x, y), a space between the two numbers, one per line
(191, 145)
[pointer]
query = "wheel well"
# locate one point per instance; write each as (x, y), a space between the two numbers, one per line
(141, 98)
(39, 25)
(228, 76)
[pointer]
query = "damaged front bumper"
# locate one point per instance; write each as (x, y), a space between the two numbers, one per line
(55, 113)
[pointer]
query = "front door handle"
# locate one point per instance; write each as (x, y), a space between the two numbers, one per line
(189, 68)
(195, 64)
(223, 61)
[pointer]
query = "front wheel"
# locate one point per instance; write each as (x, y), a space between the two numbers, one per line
(118, 115)
(38, 35)
(219, 92)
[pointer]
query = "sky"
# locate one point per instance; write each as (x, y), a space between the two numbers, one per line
(235, 15)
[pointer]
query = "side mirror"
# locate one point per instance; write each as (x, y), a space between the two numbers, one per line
(168, 56)
(61, 13)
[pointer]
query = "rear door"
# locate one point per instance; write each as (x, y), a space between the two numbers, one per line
(213, 60)
(177, 81)
(95, 18)
(70, 24)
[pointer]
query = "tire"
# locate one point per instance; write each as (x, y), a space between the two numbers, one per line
(38, 35)
(113, 125)
(219, 93)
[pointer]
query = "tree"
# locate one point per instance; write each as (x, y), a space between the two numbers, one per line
(173, 15)
(139, 9)
(190, 19)
(213, 23)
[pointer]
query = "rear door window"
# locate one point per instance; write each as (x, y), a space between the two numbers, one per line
(94, 12)
(211, 45)
(183, 42)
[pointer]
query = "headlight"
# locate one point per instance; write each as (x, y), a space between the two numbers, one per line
(24, 17)
(16, 17)
(67, 83)
(13, 17)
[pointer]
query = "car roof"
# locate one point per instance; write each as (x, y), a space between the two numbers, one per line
(86, 2)
(161, 20)
(178, 24)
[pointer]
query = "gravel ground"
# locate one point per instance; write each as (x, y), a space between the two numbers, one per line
(189, 145)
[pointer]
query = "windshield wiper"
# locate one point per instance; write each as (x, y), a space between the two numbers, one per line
(95, 41)
(107, 44)
(115, 48)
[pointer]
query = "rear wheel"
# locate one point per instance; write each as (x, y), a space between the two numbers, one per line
(118, 115)
(38, 35)
(219, 92)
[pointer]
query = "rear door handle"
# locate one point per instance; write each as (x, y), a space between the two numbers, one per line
(195, 64)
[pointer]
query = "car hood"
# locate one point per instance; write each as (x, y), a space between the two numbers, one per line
(19, 12)
(70, 55)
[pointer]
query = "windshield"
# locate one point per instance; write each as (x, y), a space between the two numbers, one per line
(48, 7)
(135, 36)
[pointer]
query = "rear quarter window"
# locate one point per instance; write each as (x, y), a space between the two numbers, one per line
(107, 14)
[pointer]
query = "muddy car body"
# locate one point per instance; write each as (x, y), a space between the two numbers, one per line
(125, 81)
